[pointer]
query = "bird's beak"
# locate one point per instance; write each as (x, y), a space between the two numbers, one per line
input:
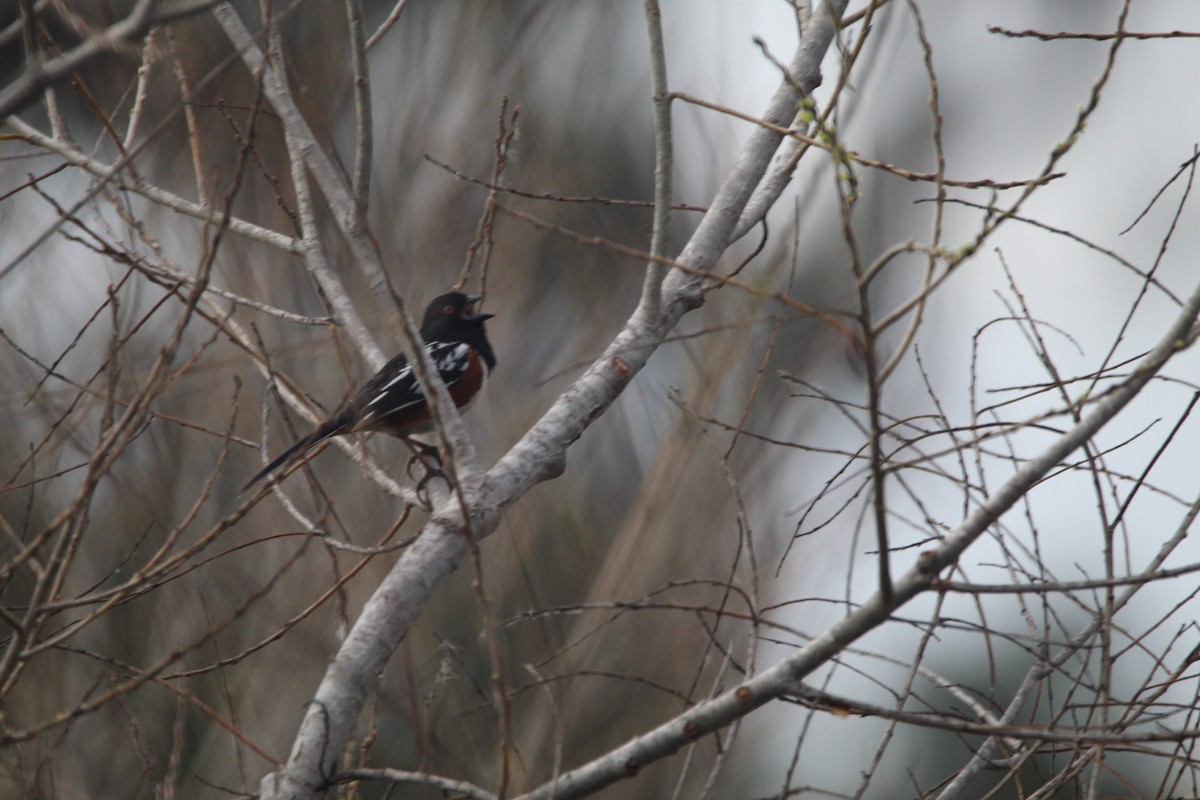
(472, 299)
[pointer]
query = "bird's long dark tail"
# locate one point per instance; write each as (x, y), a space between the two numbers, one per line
(337, 424)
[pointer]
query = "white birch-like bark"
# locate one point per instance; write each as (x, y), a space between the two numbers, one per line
(538, 456)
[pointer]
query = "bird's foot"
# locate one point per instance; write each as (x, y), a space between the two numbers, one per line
(426, 455)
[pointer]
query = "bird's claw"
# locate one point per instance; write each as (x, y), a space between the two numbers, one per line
(427, 456)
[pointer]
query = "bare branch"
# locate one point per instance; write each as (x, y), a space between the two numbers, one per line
(145, 13)
(539, 455)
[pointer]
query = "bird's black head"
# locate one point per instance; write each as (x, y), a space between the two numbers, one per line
(452, 317)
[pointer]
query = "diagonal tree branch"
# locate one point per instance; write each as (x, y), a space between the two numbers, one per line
(41, 74)
(538, 456)
(781, 679)
(305, 151)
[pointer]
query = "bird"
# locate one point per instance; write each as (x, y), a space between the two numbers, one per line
(392, 401)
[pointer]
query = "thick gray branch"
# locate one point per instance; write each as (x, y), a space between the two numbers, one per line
(781, 679)
(538, 456)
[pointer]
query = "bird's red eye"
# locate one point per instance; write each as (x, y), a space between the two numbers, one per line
(448, 310)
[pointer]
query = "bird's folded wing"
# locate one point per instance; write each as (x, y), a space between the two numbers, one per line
(395, 387)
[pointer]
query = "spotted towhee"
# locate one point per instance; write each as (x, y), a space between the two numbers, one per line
(392, 401)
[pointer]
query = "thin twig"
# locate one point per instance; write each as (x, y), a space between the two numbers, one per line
(664, 159)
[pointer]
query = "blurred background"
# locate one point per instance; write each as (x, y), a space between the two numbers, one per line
(626, 589)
